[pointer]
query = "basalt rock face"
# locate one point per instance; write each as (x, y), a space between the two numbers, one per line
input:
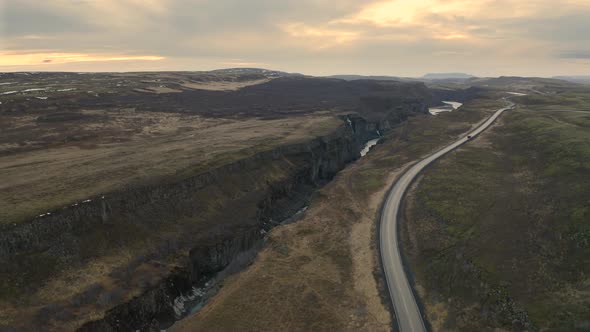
(321, 159)
(143, 311)
(216, 216)
(317, 162)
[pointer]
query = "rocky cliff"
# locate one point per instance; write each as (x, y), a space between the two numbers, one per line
(202, 223)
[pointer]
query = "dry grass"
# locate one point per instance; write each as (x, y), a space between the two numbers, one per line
(319, 273)
(222, 85)
(123, 260)
(316, 274)
(120, 148)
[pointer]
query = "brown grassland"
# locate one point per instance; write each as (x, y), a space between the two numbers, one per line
(98, 152)
(323, 272)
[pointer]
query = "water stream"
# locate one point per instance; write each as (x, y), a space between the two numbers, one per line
(369, 145)
(449, 107)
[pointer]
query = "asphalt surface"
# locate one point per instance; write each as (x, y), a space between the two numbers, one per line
(408, 316)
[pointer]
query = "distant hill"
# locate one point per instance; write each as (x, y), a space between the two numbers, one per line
(431, 76)
(583, 79)
(252, 71)
(506, 81)
(446, 76)
(375, 78)
(362, 77)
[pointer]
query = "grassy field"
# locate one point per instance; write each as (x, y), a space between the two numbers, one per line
(497, 232)
(58, 148)
(572, 100)
(322, 273)
(46, 165)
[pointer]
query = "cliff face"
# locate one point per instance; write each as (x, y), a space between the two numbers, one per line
(215, 216)
(318, 160)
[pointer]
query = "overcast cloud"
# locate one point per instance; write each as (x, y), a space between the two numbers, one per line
(396, 37)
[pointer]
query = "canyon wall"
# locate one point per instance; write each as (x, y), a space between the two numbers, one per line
(215, 216)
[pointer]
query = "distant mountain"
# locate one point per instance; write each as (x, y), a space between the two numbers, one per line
(583, 79)
(446, 76)
(369, 77)
(362, 77)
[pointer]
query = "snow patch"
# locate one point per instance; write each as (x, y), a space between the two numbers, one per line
(35, 89)
(517, 93)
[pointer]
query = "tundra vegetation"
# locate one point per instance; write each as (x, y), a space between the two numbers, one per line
(143, 175)
(497, 233)
(118, 193)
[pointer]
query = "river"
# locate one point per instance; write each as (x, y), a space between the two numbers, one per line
(368, 146)
(449, 107)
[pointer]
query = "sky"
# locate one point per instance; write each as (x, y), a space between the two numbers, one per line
(316, 37)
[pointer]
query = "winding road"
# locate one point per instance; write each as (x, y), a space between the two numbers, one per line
(408, 316)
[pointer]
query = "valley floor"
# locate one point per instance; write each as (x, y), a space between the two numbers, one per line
(323, 272)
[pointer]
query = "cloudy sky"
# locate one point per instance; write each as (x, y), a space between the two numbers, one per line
(319, 37)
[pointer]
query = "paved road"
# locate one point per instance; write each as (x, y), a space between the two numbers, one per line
(409, 318)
